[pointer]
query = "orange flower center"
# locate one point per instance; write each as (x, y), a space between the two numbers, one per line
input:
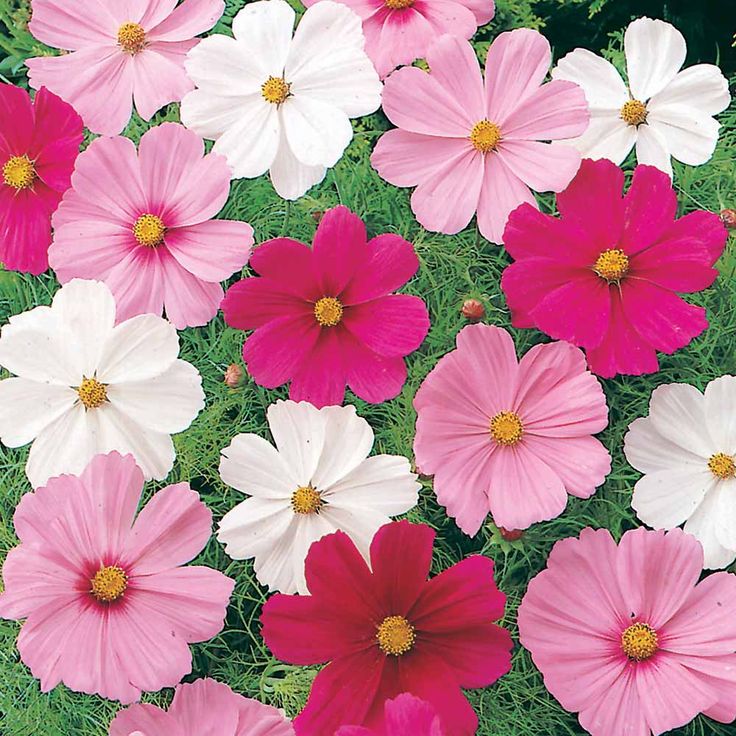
(275, 90)
(306, 500)
(395, 636)
(506, 428)
(19, 172)
(109, 583)
(92, 393)
(131, 38)
(328, 311)
(612, 265)
(634, 112)
(722, 466)
(149, 230)
(398, 4)
(639, 642)
(485, 136)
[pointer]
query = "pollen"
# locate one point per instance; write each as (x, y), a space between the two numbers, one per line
(275, 90)
(398, 4)
(485, 136)
(149, 230)
(328, 311)
(92, 393)
(634, 112)
(131, 38)
(639, 642)
(722, 466)
(109, 583)
(306, 500)
(395, 636)
(612, 265)
(506, 428)
(19, 173)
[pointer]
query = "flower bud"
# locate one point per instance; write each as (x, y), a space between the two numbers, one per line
(234, 375)
(473, 310)
(728, 218)
(510, 535)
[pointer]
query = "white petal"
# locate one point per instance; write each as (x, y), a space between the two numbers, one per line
(168, 403)
(720, 413)
(140, 348)
(651, 149)
(360, 524)
(348, 442)
(702, 525)
(299, 432)
(254, 526)
(655, 51)
(309, 529)
(317, 132)
(27, 407)
(265, 30)
(702, 87)
(726, 513)
(649, 452)
(291, 178)
(607, 136)
(677, 411)
(602, 84)
(253, 466)
(209, 115)
(690, 136)
(383, 483)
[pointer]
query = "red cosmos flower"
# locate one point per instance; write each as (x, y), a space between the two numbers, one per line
(39, 143)
(604, 275)
(386, 630)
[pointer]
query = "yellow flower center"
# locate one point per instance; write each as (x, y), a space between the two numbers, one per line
(485, 136)
(506, 428)
(634, 112)
(639, 642)
(109, 584)
(92, 393)
(722, 466)
(149, 230)
(275, 90)
(398, 4)
(395, 636)
(131, 38)
(328, 311)
(19, 172)
(306, 500)
(612, 265)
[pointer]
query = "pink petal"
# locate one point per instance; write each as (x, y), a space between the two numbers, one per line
(544, 167)
(394, 38)
(25, 230)
(17, 118)
(372, 377)
(147, 719)
(705, 226)
(288, 263)
(453, 18)
(616, 706)
(159, 79)
(484, 10)
(254, 302)
(137, 283)
(338, 249)
(61, 25)
(321, 377)
(717, 673)
(676, 265)
(189, 19)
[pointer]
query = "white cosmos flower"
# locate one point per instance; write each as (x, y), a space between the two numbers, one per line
(664, 111)
(317, 480)
(86, 386)
(273, 102)
(687, 448)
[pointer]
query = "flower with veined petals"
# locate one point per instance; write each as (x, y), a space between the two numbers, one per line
(141, 222)
(110, 606)
(39, 142)
(387, 629)
(120, 52)
(399, 31)
(664, 112)
(405, 715)
(203, 707)
(273, 103)
(473, 146)
(319, 479)
(510, 437)
(86, 385)
(686, 448)
(327, 317)
(610, 282)
(627, 637)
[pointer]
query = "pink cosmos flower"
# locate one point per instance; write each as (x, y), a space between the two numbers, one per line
(386, 630)
(627, 637)
(470, 146)
(400, 31)
(109, 608)
(39, 143)
(326, 317)
(507, 436)
(121, 51)
(142, 224)
(403, 715)
(203, 707)
(605, 274)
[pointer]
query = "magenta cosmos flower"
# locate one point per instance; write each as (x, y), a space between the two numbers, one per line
(609, 282)
(403, 716)
(109, 608)
(627, 637)
(142, 224)
(472, 147)
(39, 142)
(325, 317)
(387, 630)
(400, 31)
(507, 436)
(203, 707)
(120, 52)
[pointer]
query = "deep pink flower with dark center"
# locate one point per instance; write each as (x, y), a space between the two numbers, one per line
(326, 317)
(39, 142)
(605, 274)
(402, 716)
(386, 630)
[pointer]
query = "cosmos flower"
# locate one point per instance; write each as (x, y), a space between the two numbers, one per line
(403, 715)
(142, 223)
(120, 52)
(664, 112)
(110, 607)
(318, 479)
(86, 385)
